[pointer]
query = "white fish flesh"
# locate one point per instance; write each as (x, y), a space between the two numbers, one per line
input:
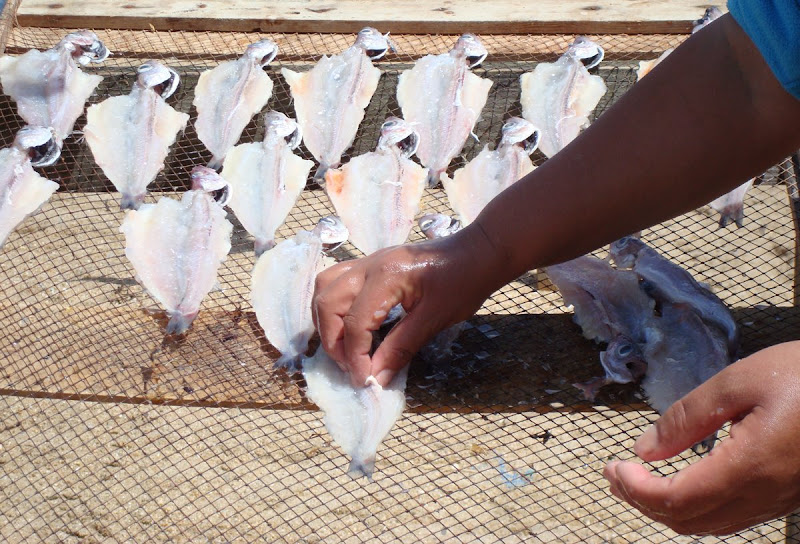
(48, 86)
(282, 287)
(266, 179)
(491, 172)
(22, 190)
(330, 99)
(228, 96)
(646, 66)
(711, 14)
(558, 97)
(176, 247)
(443, 100)
(131, 157)
(731, 205)
(377, 194)
(358, 419)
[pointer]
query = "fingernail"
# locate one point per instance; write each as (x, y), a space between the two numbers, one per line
(646, 443)
(384, 377)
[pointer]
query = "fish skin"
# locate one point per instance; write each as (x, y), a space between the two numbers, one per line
(227, 97)
(22, 190)
(558, 97)
(731, 205)
(176, 248)
(443, 100)
(132, 158)
(266, 179)
(358, 419)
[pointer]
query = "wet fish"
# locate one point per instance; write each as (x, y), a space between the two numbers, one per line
(558, 97)
(377, 194)
(491, 172)
(49, 87)
(666, 281)
(22, 190)
(623, 362)
(330, 99)
(444, 100)
(228, 96)
(130, 135)
(711, 14)
(731, 205)
(176, 247)
(283, 284)
(358, 419)
(645, 66)
(266, 179)
(438, 225)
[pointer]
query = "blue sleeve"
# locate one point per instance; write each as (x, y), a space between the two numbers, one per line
(774, 27)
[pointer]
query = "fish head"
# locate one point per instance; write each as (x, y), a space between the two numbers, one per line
(154, 75)
(281, 126)
(438, 225)
(520, 131)
(472, 48)
(623, 360)
(374, 44)
(40, 143)
(85, 47)
(586, 51)
(711, 14)
(208, 180)
(400, 133)
(625, 250)
(262, 52)
(332, 232)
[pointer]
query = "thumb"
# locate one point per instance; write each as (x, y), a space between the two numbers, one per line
(403, 341)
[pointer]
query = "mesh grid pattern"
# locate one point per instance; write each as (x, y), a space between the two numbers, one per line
(112, 434)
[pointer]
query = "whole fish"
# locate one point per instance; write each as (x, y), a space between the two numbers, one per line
(357, 418)
(377, 194)
(283, 284)
(22, 190)
(666, 281)
(130, 135)
(266, 179)
(176, 247)
(491, 172)
(330, 99)
(228, 96)
(48, 86)
(444, 100)
(557, 97)
(731, 205)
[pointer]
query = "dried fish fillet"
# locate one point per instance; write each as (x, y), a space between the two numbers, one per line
(491, 172)
(443, 100)
(132, 157)
(330, 99)
(377, 194)
(283, 284)
(48, 86)
(558, 97)
(228, 96)
(22, 190)
(176, 247)
(358, 419)
(266, 179)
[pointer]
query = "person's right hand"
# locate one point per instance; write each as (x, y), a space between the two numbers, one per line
(439, 283)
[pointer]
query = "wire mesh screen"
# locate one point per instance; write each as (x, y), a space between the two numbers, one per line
(112, 433)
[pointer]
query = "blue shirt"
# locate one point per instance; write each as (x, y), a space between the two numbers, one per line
(774, 27)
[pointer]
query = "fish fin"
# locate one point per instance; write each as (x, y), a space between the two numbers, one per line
(364, 467)
(179, 323)
(591, 387)
(262, 246)
(292, 363)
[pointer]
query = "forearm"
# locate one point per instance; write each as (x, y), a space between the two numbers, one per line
(710, 116)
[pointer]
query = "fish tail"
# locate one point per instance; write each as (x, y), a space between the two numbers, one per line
(179, 323)
(706, 444)
(733, 213)
(361, 467)
(292, 363)
(319, 176)
(128, 202)
(433, 178)
(215, 164)
(261, 246)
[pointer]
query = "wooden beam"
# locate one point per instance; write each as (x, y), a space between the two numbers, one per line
(397, 16)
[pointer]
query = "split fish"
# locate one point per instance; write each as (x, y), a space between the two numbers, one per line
(22, 190)
(283, 284)
(266, 179)
(443, 100)
(557, 97)
(176, 247)
(491, 172)
(228, 96)
(357, 418)
(48, 86)
(377, 194)
(731, 205)
(130, 135)
(330, 99)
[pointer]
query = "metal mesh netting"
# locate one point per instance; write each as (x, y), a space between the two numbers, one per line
(110, 433)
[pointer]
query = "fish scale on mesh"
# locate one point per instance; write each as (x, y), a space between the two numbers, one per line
(495, 447)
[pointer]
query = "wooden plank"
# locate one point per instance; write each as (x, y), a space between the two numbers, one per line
(397, 16)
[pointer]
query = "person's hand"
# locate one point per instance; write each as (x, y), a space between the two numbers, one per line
(751, 476)
(438, 283)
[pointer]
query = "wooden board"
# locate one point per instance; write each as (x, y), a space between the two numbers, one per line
(403, 16)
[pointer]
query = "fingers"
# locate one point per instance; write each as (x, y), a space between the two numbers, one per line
(334, 291)
(400, 345)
